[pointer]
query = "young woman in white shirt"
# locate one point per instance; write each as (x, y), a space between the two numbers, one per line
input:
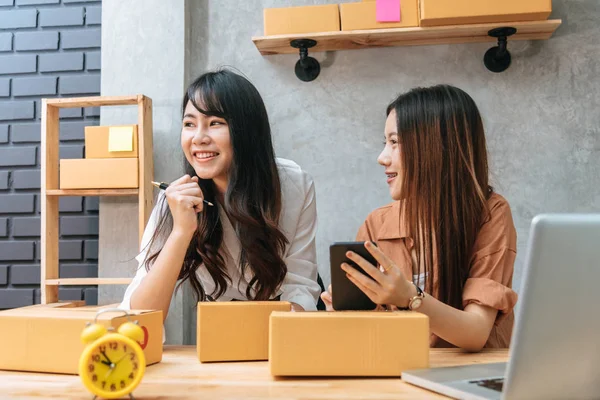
(258, 240)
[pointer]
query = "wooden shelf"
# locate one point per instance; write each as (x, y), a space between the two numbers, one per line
(351, 40)
(70, 102)
(92, 192)
(88, 281)
(50, 192)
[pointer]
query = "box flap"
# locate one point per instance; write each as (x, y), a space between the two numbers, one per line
(243, 304)
(89, 313)
(350, 315)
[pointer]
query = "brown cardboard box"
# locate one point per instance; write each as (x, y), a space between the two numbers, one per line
(46, 338)
(236, 330)
(99, 173)
(357, 16)
(458, 12)
(307, 19)
(348, 343)
(97, 141)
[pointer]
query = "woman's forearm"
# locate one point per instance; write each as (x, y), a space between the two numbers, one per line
(468, 329)
(156, 289)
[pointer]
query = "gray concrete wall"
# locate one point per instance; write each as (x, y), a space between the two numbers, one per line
(541, 115)
(145, 53)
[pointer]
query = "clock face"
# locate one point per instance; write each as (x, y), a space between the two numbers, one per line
(416, 303)
(113, 365)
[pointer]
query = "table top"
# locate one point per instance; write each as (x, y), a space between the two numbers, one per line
(180, 375)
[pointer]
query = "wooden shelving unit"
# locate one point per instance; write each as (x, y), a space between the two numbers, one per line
(88, 281)
(92, 192)
(351, 40)
(51, 192)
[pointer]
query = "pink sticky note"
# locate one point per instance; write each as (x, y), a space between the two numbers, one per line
(388, 10)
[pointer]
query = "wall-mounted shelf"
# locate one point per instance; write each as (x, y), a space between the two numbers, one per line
(51, 192)
(96, 101)
(417, 36)
(88, 281)
(352, 40)
(92, 192)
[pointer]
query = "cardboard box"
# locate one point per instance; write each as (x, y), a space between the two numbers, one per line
(307, 19)
(357, 16)
(459, 12)
(98, 173)
(348, 343)
(236, 330)
(46, 338)
(111, 141)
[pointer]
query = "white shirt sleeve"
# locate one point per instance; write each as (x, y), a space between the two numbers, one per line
(144, 249)
(300, 284)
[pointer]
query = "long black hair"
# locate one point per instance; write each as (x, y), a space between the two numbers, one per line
(445, 183)
(252, 200)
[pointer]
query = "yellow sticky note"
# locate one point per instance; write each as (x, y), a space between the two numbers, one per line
(120, 138)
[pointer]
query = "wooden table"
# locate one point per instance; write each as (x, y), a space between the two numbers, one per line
(180, 375)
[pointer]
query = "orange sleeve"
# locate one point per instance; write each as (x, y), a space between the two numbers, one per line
(364, 233)
(492, 265)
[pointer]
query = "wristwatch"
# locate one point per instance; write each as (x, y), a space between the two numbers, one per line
(417, 300)
(414, 302)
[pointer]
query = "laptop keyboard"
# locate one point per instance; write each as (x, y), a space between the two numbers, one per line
(494, 384)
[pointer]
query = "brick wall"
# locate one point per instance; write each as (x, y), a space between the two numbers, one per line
(48, 48)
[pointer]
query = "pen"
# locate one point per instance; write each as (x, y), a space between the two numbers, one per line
(164, 186)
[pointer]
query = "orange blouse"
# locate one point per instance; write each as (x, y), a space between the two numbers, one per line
(491, 265)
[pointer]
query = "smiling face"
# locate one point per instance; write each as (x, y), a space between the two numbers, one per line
(206, 143)
(391, 157)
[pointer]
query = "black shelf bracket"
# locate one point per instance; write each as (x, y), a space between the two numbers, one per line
(498, 59)
(307, 68)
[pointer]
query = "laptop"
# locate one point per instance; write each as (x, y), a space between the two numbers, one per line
(555, 348)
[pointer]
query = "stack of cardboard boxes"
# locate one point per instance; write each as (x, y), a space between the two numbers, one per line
(111, 160)
(361, 343)
(410, 13)
(46, 338)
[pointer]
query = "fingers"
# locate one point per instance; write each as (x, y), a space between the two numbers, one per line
(183, 189)
(366, 290)
(361, 278)
(173, 189)
(193, 191)
(189, 185)
(186, 189)
(328, 299)
(184, 179)
(380, 256)
(192, 202)
(369, 268)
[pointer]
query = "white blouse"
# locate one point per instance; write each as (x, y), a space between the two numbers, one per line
(298, 222)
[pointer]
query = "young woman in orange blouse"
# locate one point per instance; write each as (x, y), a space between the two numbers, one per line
(447, 244)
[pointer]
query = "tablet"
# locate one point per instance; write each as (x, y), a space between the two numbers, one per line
(346, 295)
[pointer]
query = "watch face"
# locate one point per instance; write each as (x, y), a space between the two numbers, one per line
(113, 366)
(416, 303)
